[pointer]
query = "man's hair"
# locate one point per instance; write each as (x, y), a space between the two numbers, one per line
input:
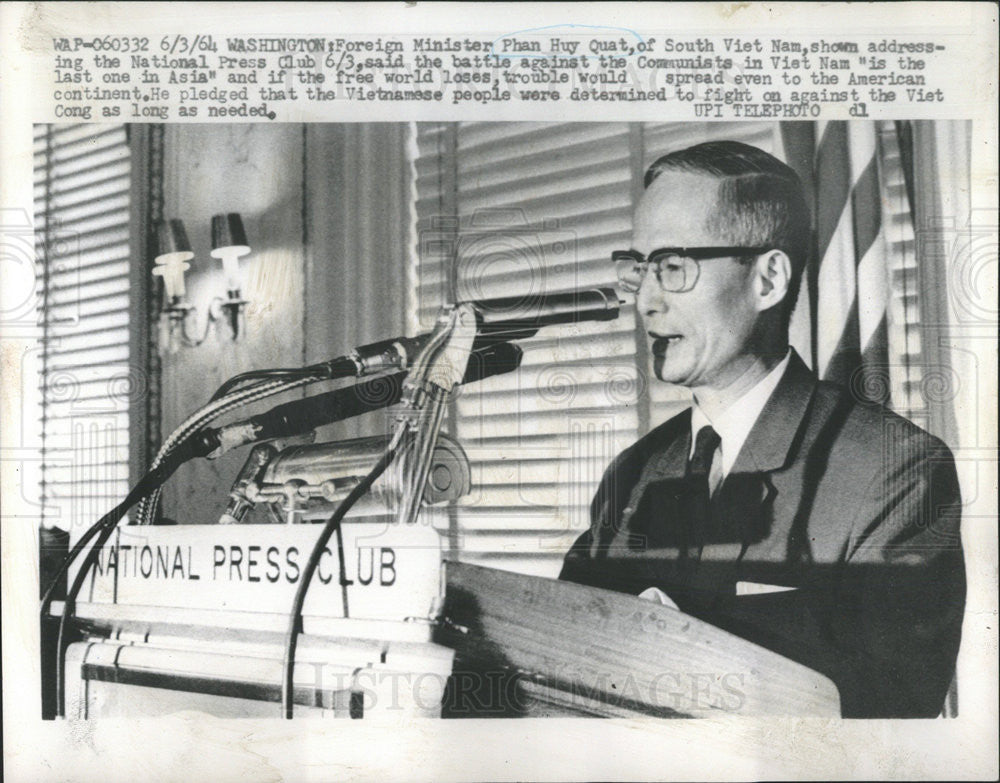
(760, 202)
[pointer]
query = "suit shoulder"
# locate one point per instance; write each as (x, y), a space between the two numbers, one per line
(658, 437)
(875, 430)
(654, 440)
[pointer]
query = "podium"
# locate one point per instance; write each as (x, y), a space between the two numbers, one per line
(193, 618)
(585, 651)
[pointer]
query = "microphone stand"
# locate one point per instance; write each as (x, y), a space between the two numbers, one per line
(437, 369)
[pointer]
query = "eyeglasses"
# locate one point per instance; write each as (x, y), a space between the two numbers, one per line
(676, 268)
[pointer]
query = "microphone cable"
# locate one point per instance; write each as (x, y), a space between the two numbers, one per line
(332, 524)
(175, 451)
(201, 417)
(333, 370)
(261, 376)
(102, 529)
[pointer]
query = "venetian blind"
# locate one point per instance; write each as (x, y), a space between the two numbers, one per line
(82, 202)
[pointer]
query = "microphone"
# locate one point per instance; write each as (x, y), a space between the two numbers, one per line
(518, 317)
(301, 416)
(394, 353)
(498, 320)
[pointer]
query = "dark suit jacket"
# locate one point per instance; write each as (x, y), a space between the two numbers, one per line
(855, 507)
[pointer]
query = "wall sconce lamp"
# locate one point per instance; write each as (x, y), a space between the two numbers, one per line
(229, 244)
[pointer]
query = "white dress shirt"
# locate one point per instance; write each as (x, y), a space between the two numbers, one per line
(733, 425)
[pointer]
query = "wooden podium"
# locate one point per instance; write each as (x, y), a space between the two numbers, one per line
(585, 651)
(193, 618)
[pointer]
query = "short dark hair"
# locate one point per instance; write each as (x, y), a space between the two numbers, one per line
(761, 201)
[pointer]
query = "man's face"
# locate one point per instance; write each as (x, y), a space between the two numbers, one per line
(698, 338)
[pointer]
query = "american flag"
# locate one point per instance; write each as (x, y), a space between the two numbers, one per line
(840, 323)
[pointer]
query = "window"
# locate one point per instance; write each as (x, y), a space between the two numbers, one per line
(89, 298)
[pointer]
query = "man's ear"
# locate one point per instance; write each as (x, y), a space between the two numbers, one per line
(772, 276)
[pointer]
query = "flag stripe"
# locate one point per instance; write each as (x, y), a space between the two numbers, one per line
(852, 280)
(849, 277)
(873, 289)
(877, 349)
(833, 176)
(875, 366)
(865, 205)
(870, 251)
(798, 140)
(845, 359)
(837, 285)
(836, 281)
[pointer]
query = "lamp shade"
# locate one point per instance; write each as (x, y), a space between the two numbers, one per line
(229, 242)
(171, 238)
(227, 231)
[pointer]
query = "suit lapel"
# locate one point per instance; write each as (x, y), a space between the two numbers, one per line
(742, 506)
(740, 503)
(672, 460)
(769, 445)
(655, 496)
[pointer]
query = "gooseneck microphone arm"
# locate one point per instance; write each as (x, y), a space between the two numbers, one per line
(300, 416)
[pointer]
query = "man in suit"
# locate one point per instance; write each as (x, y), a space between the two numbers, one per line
(779, 507)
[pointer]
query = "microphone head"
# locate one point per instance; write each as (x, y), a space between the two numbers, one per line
(594, 304)
(495, 359)
(515, 318)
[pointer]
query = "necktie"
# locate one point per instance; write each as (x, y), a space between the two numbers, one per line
(705, 445)
(699, 493)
